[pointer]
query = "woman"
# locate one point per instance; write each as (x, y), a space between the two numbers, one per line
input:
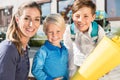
(14, 61)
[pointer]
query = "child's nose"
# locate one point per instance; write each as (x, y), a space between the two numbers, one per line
(54, 34)
(80, 19)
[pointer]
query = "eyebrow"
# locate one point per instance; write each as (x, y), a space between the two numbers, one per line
(35, 17)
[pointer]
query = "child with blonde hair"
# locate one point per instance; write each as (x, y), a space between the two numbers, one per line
(51, 60)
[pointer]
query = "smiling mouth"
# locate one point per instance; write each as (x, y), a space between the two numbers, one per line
(54, 39)
(80, 25)
(30, 30)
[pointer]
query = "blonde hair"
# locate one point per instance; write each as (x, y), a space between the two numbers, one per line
(56, 19)
(13, 32)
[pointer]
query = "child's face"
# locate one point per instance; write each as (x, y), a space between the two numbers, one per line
(83, 18)
(54, 34)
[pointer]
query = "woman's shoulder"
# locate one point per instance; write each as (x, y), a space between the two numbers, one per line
(8, 52)
(7, 46)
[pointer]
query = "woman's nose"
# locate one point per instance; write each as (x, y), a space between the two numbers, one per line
(30, 24)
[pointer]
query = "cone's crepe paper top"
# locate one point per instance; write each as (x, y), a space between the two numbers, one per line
(102, 60)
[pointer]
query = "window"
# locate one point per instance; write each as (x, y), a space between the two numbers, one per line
(112, 8)
(5, 16)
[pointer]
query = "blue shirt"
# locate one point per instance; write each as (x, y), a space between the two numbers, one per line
(13, 66)
(50, 62)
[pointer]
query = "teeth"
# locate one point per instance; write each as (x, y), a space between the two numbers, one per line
(81, 25)
(55, 38)
(30, 30)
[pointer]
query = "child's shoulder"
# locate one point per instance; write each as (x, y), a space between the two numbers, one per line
(94, 31)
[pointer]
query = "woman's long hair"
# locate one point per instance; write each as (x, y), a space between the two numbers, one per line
(13, 32)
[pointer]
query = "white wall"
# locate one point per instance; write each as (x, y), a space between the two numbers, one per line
(100, 4)
(53, 6)
(115, 24)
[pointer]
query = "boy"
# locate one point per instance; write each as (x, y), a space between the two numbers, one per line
(88, 33)
(51, 60)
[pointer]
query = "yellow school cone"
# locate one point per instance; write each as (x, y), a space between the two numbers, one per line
(78, 76)
(103, 59)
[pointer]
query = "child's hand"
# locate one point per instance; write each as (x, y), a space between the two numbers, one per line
(59, 78)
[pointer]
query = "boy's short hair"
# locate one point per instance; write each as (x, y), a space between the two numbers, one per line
(83, 3)
(56, 19)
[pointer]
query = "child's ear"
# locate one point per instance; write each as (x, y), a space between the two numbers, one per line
(73, 17)
(64, 30)
(94, 16)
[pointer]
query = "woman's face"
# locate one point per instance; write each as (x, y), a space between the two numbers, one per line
(29, 22)
(83, 18)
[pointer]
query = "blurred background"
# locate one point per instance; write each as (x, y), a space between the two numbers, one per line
(107, 15)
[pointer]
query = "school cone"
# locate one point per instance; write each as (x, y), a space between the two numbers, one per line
(78, 76)
(102, 60)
